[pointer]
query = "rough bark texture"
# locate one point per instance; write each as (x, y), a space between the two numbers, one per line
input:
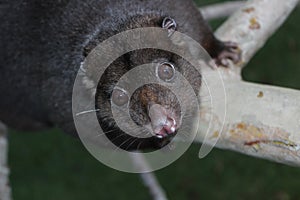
(221, 9)
(252, 25)
(4, 171)
(261, 121)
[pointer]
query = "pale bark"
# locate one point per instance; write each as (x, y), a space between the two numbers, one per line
(4, 171)
(149, 179)
(253, 24)
(220, 10)
(261, 121)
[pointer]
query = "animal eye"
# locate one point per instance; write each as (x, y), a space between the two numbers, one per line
(169, 23)
(165, 71)
(119, 97)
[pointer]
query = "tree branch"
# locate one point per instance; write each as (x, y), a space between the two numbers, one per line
(220, 10)
(261, 121)
(149, 179)
(253, 24)
(4, 171)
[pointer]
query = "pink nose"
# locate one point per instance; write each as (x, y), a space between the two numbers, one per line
(161, 121)
(168, 128)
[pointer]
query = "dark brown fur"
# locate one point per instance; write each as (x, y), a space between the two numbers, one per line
(44, 42)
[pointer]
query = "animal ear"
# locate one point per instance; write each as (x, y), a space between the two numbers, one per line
(170, 24)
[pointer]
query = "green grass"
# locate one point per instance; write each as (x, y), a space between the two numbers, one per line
(51, 165)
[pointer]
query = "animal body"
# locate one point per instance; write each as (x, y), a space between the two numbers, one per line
(44, 42)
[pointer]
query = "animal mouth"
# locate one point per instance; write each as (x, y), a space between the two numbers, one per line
(164, 123)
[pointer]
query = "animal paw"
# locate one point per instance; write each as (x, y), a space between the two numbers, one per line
(230, 51)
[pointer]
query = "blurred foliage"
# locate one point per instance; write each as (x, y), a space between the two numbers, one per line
(51, 165)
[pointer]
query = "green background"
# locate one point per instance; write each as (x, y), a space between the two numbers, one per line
(51, 165)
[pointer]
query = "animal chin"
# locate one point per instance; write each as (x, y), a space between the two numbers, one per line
(163, 122)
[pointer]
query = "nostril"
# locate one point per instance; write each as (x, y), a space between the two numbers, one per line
(167, 129)
(162, 124)
(170, 125)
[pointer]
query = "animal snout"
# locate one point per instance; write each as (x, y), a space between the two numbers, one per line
(163, 122)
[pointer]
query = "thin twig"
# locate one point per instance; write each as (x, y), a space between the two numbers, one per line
(5, 191)
(148, 178)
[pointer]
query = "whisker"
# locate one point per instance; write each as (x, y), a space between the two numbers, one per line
(95, 136)
(118, 147)
(114, 139)
(139, 145)
(87, 112)
(104, 133)
(132, 143)
(184, 135)
(82, 68)
(136, 138)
